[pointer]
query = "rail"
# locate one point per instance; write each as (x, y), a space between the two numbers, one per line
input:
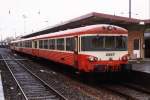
(16, 61)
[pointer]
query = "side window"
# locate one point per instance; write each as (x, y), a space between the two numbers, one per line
(35, 44)
(45, 44)
(40, 43)
(20, 44)
(23, 44)
(70, 44)
(30, 44)
(52, 44)
(60, 44)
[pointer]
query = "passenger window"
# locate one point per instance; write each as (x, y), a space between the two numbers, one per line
(70, 44)
(30, 44)
(23, 44)
(41, 44)
(26, 44)
(20, 44)
(45, 44)
(35, 44)
(60, 44)
(52, 44)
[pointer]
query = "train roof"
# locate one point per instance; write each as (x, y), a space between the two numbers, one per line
(75, 31)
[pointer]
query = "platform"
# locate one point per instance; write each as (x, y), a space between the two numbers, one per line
(1, 89)
(141, 65)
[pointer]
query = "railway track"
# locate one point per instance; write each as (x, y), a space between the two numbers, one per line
(31, 86)
(127, 91)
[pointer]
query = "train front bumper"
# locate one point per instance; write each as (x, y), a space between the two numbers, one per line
(114, 66)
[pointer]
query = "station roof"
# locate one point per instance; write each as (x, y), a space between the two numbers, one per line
(90, 19)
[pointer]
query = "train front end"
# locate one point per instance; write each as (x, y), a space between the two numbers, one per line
(104, 52)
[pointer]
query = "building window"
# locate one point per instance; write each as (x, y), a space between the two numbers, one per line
(60, 44)
(136, 44)
(70, 44)
(52, 44)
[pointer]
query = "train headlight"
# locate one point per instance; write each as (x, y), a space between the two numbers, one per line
(124, 58)
(91, 58)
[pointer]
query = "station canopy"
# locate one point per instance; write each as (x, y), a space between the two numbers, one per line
(90, 19)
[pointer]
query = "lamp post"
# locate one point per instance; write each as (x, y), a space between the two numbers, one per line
(129, 8)
(149, 9)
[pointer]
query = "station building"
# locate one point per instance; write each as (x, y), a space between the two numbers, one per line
(138, 37)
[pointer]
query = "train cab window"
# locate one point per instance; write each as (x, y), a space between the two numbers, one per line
(110, 42)
(40, 43)
(45, 44)
(92, 43)
(70, 44)
(60, 44)
(121, 42)
(52, 44)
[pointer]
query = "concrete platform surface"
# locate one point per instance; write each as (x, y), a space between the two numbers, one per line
(1, 90)
(142, 66)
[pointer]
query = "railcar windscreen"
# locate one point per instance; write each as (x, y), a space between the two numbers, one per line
(101, 43)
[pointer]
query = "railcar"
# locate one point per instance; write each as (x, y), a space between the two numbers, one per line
(93, 48)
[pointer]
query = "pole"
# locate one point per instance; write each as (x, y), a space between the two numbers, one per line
(1, 37)
(24, 26)
(129, 8)
(24, 17)
(149, 9)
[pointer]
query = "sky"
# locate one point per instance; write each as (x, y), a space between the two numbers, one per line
(22, 17)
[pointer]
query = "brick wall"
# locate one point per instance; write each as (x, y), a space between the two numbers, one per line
(135, 35)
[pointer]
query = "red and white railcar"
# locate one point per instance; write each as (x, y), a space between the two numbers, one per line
(94, 48)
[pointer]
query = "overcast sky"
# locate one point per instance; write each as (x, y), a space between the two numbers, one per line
(20, 17)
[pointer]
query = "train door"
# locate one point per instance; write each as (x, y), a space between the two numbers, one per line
(147, 48)
(136, 50)
(76, 52)
(147, 43)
